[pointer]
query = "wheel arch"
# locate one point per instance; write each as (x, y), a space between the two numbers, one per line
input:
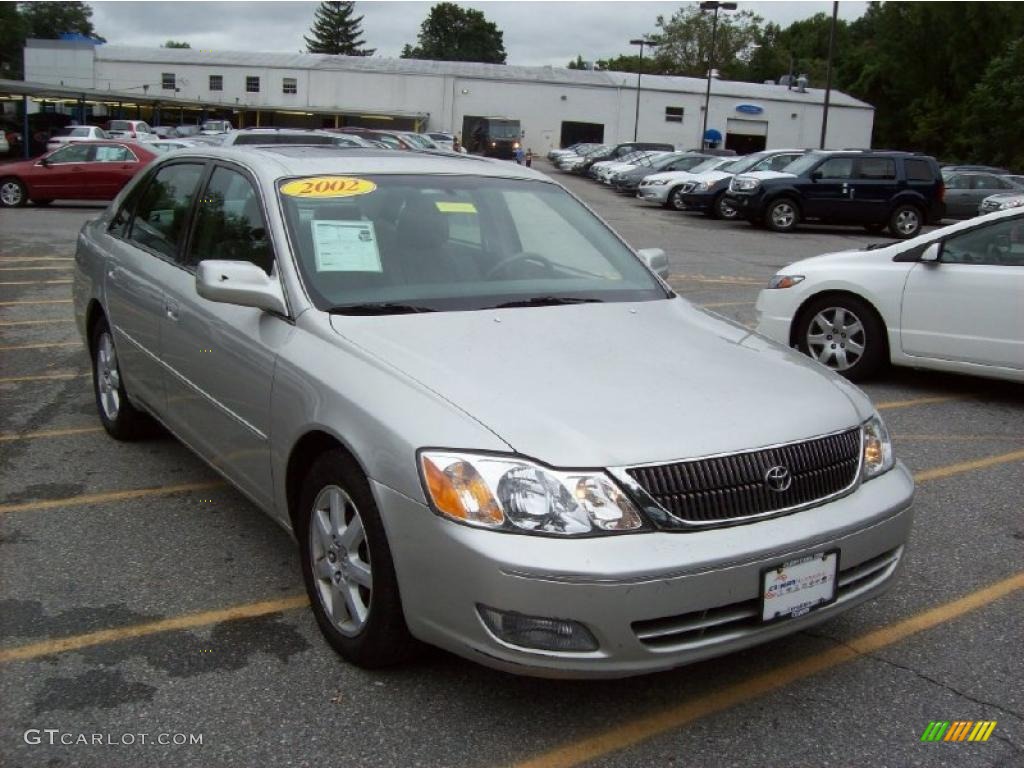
(94, 312)
(311, 445)
(801, 311)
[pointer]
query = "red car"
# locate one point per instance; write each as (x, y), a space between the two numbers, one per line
(94, 170)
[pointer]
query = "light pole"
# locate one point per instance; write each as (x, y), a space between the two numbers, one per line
(711, 5)
(828, 76)
(641, 43)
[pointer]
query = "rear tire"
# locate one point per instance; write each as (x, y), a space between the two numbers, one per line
(120, 418)
(782, 215)
(845, 334)
(13, 193)
(906, 221)
(347, 565)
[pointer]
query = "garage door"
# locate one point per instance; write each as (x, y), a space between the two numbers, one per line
(746, 136)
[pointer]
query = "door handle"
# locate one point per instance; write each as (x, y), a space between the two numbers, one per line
(171, 308)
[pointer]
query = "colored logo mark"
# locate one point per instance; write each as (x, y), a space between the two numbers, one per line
(958, 730)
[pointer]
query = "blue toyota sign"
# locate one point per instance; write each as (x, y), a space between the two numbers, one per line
(749, 109)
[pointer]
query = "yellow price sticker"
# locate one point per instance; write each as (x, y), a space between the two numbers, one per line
(444, 207)
(328, 186)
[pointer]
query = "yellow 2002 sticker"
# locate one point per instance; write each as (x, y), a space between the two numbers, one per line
(328, 186)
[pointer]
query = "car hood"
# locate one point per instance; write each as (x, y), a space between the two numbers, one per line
(712, 176)
(768, 175)
(672, 176)
(613, 384)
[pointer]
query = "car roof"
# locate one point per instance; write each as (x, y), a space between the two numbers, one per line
(284, 160)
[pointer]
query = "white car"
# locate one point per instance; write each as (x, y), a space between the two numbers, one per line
(138, 130)
(75, 133)
(949, 300)
(169, 145)
(609, 168)
(665, 188)
(1001, 201)
(443, 140)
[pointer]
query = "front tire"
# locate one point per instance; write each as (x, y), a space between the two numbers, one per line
(721, 209)
(120, 418)
(675, 200)
(906, 221)
(13, 193)
(845, 334)
(347, 565)
(782, 215)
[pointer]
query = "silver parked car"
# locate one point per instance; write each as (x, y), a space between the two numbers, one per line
(487, 421)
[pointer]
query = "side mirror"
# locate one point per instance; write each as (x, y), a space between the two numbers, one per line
(656, 259)
(931, 254)
(44, 162)
(817, 176)
(241, 283)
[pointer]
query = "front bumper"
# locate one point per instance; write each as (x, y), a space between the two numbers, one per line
(699, 201)
(653, 600)
(653, 194)
(775, 309)
(750, 207)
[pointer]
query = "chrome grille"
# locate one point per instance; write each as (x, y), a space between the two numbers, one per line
(722, 489)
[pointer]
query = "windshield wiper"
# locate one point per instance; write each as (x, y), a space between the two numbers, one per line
(378, 308)
(547, 301)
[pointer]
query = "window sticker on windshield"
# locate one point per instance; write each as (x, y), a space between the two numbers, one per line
(328, 186)
(346, 246)
(445, 207)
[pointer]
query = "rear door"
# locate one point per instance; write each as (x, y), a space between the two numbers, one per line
(969, 307)
(113, 165)
(958, 196)
(875, 186)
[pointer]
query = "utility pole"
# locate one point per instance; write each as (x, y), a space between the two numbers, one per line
(711, 5)
(828, 75)
(639, 69)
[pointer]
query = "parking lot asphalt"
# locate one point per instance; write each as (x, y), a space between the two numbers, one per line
(140, 595)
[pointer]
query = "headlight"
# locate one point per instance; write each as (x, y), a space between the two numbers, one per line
(1017, 203)
(701, 186)
(785, 281)
(657, 182)
(512, 494)
(515, 145)
(878, 457)
(744, 185)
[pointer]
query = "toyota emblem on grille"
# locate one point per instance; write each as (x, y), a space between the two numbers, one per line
(778, 478)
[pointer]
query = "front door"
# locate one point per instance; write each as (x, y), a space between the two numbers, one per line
(221, 357)
(826, 194)
(969, 307)
(63, 172)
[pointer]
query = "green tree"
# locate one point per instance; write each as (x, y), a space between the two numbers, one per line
(451, 33)
(50, 20)
(994, 112)
(650, 66)
(335, 31)
(12, 41)
(576, 63)
(176, 44)
(802, 47)
(685, 39)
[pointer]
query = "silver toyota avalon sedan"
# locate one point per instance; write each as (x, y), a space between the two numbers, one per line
(488, 422)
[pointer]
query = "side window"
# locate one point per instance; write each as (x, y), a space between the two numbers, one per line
(113, 155)
(987, 181)
(876, 169)
(229, 223)
(956, 181)
(1001, 244)
(836, 168)
(121, 222)
(159, 222)
(918, 170)
(72, 153)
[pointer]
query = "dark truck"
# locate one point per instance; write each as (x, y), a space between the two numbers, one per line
(496, 137)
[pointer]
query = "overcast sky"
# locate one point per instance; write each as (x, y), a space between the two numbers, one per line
(536, 33)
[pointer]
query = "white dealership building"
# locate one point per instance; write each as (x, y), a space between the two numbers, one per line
(554, 105)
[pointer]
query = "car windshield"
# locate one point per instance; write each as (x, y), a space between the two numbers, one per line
(446, 243)
(498, 129)
(708, 165)
(746, 163)
(804, 163)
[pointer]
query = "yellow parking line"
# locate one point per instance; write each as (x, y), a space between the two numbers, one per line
(720, 280)
(37, 322)
(43, 377)
(37, 282)
(34, 269)
(643, 728)
(100, 498)
(893, 404)
(11, 437)
(967, 466)
(188, 621)
(37, 301)
(42, 345)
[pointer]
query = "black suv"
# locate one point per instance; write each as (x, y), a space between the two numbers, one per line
(620, 150)
(708, 194)
(898, 190)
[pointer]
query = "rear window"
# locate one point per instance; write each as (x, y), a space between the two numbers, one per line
(120, 125)
(919, 170)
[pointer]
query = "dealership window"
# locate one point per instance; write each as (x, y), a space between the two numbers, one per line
(252, 84)
(289, 85)
(167, 81)
(673, 114)
(216, 82)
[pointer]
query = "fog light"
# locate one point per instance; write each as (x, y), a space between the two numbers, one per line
(537, 632)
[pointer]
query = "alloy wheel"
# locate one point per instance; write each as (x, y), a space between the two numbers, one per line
(108, 377)
(836, 337)
(783, 215)
(11, 193)
(341, 560)
(907, 221)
